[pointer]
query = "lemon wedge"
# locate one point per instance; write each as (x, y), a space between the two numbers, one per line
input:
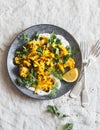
(71, 75)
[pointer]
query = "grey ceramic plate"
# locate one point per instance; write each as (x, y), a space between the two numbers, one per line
(42, 28)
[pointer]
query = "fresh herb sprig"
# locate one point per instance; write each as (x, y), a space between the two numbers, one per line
(29, 81)
(54, 39)
(40, 51)
(57, 74)
(22, 50)
(36, 36)
(24, 38)
(53, 91)
(72, 51)
(68, 126)
(54, 110)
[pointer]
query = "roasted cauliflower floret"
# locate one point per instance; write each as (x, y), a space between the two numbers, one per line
(17, 60)
(26, 63)
(23, 71)
(43, 40)
(70, 63)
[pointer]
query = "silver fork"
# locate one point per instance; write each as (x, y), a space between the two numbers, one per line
(84, 48)
(93, 54)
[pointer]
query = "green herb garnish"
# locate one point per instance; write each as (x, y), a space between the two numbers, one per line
(53, 110)
(25, 50)
(55, 60)
(24, 38)
(29, 81)
(20, 81)
(73, 51)
(65, 58)
(33, 72)
(68, 126)
(40, 51)
(36, 36)
(57, 51)
(22, 50)
(18, 51)
(54, 90)
(58, 41)
(52, 37)
(57, 74)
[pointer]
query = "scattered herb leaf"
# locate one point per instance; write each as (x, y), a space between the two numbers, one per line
(68, 126)
(53, 110)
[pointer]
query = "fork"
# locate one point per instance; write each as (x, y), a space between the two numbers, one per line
(93, 54)
(84, 48)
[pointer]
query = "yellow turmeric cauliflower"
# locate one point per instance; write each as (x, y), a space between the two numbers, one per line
(40, 58)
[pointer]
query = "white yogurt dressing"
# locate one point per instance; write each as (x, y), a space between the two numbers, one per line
(64, 43)
(63, 40)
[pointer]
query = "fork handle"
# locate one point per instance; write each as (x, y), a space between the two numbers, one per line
(76, 90)
(84, 92)
(85, 101)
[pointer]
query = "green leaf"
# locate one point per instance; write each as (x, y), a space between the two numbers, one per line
(40, 51)
(68, 126)
(25, 50)
(33, 72)
(57, 51)
(55, 60)
(35, 83)
(52, 37)
(54, 90)
(58, 41)
(57, 74)
(65, 58)
(73, 51)
(18, 51)
(20, 81)
(53, 110)
(36, 36)
(22, 50)
(24, 38)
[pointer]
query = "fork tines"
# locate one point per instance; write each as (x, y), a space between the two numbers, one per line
(95, 49)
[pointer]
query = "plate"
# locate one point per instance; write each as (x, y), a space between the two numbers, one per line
(31, 31)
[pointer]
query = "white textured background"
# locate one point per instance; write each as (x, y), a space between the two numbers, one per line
(82, 19)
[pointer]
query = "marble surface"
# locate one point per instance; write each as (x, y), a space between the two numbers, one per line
(82, 20)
